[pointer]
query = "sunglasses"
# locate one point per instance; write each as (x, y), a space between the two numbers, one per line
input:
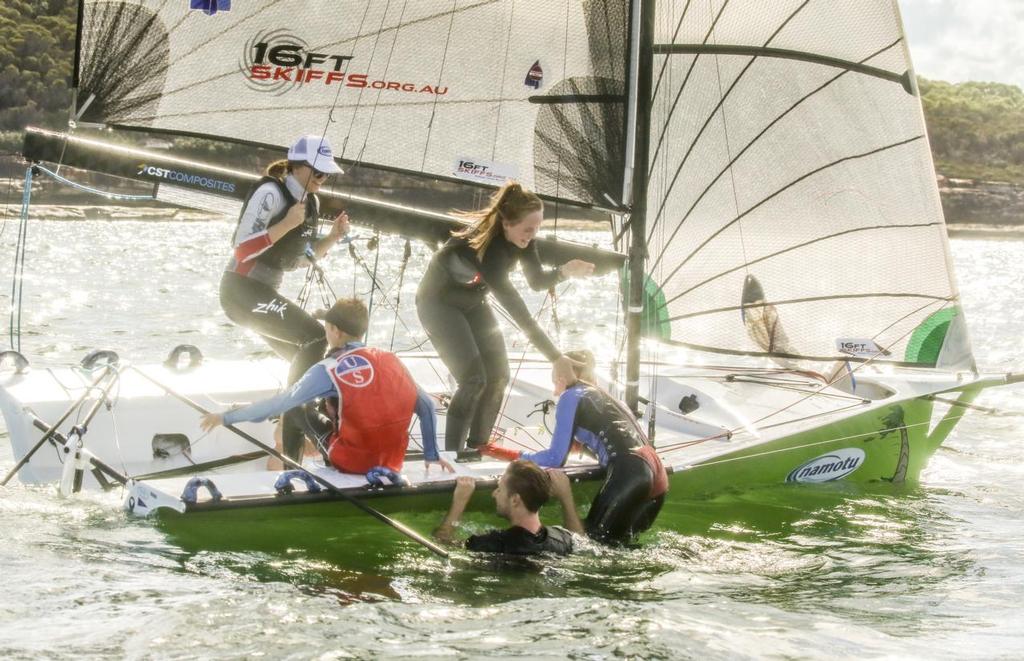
(321, 175)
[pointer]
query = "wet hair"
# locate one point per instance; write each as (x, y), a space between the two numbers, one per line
(349, 315)
(586, 371)
(282, 168)
(530, 481)
(510, 203)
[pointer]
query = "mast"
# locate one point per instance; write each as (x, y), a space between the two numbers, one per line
(641, 81)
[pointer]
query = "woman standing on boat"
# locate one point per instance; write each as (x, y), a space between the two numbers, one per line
(453, 308)
(276, 232)
(636, 481)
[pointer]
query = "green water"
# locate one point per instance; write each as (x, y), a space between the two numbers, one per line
(931, 571)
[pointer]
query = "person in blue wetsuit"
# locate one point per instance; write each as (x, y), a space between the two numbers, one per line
(636, 481)
(522, 490)
(371, 399)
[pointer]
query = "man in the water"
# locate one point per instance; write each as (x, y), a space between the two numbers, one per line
(522, 490)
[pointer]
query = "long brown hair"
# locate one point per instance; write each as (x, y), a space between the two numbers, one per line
(279, 169)
(511, 203)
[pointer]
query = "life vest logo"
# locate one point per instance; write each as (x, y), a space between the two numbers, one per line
(210, 7)
(535, 76)
(354, 370)
(277, 62)
(274, 306)
(828, 467)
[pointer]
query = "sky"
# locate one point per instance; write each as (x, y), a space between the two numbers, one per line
(959, 40)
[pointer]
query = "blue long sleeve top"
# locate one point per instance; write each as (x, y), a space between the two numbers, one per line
(317, 383)
(589, 415)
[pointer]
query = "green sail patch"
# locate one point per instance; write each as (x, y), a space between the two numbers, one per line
(927, 339)
(654, 321)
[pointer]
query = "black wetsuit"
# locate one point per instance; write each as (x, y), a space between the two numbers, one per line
(452, 305)
(520, 541)
(636, 482)
(248, 288)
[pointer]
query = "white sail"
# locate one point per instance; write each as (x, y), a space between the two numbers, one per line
(792, 208)
(478, 90)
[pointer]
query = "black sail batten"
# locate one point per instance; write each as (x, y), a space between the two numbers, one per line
(809, 299)
(579, 98)
(127, 162)
(904, 79)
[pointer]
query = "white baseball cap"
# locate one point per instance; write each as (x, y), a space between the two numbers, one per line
(315, 151)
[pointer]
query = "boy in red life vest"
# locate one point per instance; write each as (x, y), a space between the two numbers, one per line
(375, 399)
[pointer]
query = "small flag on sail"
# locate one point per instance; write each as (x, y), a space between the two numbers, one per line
(211, 7)
(535, 76)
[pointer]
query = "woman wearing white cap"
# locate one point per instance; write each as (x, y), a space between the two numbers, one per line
(277, 226)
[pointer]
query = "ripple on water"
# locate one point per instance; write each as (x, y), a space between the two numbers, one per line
(930, 572)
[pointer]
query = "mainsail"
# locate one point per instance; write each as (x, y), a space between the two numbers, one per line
(792, 208)
(475, 90)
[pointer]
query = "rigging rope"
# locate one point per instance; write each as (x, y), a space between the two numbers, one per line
(406, 254)
(18, 276)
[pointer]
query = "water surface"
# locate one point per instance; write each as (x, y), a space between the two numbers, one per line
(929, 571)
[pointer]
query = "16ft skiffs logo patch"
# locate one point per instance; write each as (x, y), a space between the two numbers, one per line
(354, 370)
(278, 61)
(828, 467)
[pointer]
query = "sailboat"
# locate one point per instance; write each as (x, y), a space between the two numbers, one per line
(791, 311)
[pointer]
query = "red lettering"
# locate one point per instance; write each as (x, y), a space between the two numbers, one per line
(394, 86)
(356, 80)
(313, 74)
(282, 74)
(408, 87)
(428, 89)
(334, 76)
(440, 90)
(260, 72)
(378, 84)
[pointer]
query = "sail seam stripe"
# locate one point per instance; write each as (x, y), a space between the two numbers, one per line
(721, 101)
(813, 299)
(750, 144)
(679, 95)
(664, 63)
(798, 246)
(784, 189)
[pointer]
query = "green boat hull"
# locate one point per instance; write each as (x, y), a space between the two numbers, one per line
(884, 448)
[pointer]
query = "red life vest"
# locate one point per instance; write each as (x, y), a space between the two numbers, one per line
(378, 398)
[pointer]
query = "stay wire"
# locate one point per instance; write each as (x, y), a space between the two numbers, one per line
(407, 253)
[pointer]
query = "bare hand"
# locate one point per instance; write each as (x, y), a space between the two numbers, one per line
(340, 228)
(561, 487)
(211, 420)
(576, 268)
(445, 466)
(295, 216)
(464, 487)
